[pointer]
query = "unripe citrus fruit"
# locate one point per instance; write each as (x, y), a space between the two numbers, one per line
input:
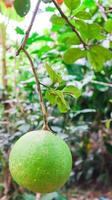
(40, 161)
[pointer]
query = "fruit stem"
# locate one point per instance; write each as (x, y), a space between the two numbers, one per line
(22, 48)
(42, 105)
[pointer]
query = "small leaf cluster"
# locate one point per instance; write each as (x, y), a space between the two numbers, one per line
(56, 96)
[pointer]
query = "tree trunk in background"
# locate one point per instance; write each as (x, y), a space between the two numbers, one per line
(38, 195)
(4, 66)
(7, 177)
(4, 73)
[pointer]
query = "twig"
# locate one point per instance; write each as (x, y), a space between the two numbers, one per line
(4, 122)
(44, 111)
(102, 83)
(70, 24)
(108, 11)
(29, 28)
(102, 10)
(44, 85)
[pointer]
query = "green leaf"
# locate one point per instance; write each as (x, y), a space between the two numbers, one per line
(56, 97)
(108, 25)
(61, 102)
(49, 9)
(55, 77)
(108, 123)
(57, 20)
(22, 7)
(97, 57)
(51, 96)
(36, 38)
(89, 31)
(72, 4)
(69, 38)
(72, 90)
(19, 30)
(73, 54)
(83, 15)
(42, 51)
(76, 70)
(89, 3)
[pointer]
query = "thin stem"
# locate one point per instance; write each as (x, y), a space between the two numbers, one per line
(102, 83)
(108, 11)
(44, 111)
(102, 10)
(44, 85)
(70, 24)
(29, 28)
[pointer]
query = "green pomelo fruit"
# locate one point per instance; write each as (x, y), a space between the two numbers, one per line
(40, 161)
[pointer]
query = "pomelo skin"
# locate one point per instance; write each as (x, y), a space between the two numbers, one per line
(40, 161)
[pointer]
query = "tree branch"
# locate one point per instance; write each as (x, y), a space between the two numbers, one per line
(102, 10)
(44, 111)
(29, 28)
(109, 11)
(70, 24)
